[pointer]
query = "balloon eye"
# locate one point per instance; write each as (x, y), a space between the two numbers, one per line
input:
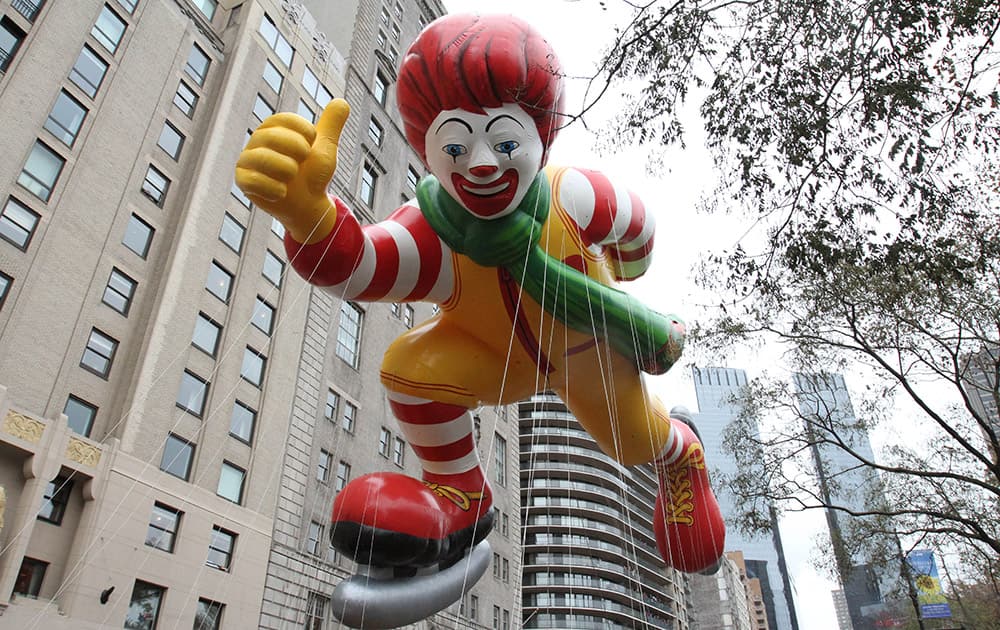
(455, 150)
(507, 147)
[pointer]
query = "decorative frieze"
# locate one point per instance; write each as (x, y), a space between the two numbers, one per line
(23, 427)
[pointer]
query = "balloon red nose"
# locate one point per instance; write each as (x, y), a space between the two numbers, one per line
(484, 170)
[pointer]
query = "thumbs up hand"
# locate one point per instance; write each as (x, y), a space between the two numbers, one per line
(287, 165)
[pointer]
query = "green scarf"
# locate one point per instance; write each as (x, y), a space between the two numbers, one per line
(575, 299)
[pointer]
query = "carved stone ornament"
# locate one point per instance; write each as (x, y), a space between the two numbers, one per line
(295, 11)
(21, 426)
(83, 453)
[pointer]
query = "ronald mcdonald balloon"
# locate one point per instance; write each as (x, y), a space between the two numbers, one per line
(521, 257)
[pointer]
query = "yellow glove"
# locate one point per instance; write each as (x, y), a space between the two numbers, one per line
(287, 165)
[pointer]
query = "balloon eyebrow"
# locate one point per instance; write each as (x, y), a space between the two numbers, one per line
(499, 118)
(458, 120)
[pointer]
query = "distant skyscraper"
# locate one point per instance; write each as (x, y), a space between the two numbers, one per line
(764, 556)
(980, 385)
(840, 607)
(843, 483)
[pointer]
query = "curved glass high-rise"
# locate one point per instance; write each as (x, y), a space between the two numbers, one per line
(589, 558)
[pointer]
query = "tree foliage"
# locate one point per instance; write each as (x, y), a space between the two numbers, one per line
(862, 139)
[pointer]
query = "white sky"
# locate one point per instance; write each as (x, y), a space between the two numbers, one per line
(578, 31)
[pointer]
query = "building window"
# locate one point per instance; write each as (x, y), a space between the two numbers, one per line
(108, 29)
(398, 451)
(171, 140)
(65, 119)
(220, 548)
(506, 620)
(276, 41)
(273, 76)
(505, 527)
(80, 415)
(349, 333)
(55, 500)
(343, 475)
(242, 421)
(263, 316)
(163, 525)
(278, 228)
(99, 353)
(119, 291)
(314, 539)
(505, 571)
(206, 334)
(17, 223)
(273, 268)
(185, 99)
(261, 108)
(500, 460)
(347, 421)
(384, 439)
(323, 466)
(231, 482)
(88, 71)
(332, 400)
(473, 608)
(138, 236)
(315, 89)
(197, 64)
(316, 606)
(369, 179)
(395, 32)
(5, 282)
(41, 170)
(496, 616)
(207, 8)
(28, 582)
(385, 16)
(408, 316)
(379, 88)
(231, 233)
(208, 615)
(144, 607)
(395, 308)
(220, 282)
(192, 393)
(375, 132)
(11, 37)
(155, 185)
(253, 366)
(178, 454)
(412, 178)
(305, 111)
(381, 40)
(128, 5)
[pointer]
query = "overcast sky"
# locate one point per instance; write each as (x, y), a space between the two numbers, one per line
(578, 30)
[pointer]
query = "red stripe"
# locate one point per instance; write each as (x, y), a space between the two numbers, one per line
(605, 206)
(446, 453)
(522, 330)
(426, 413)
(334, 259)
(632, 254)
(638, 218)
(387, 266)
(428, 250)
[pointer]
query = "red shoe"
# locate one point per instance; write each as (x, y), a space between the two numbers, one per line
(392, 520)
(690, 531)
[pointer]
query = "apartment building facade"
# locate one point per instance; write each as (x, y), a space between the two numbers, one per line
(590, 559)
(179, 410)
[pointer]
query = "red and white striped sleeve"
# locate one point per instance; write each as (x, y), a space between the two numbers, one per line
(609, 216)
(399, 259)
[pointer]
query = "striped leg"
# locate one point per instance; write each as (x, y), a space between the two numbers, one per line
(442, 437)
(392, 520)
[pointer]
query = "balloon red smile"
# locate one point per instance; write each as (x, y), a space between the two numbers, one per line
(486, 200)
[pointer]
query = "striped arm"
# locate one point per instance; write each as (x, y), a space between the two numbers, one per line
(399, 259)
(611, 217)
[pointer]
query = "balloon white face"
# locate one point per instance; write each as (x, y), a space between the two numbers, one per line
(487, 161)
